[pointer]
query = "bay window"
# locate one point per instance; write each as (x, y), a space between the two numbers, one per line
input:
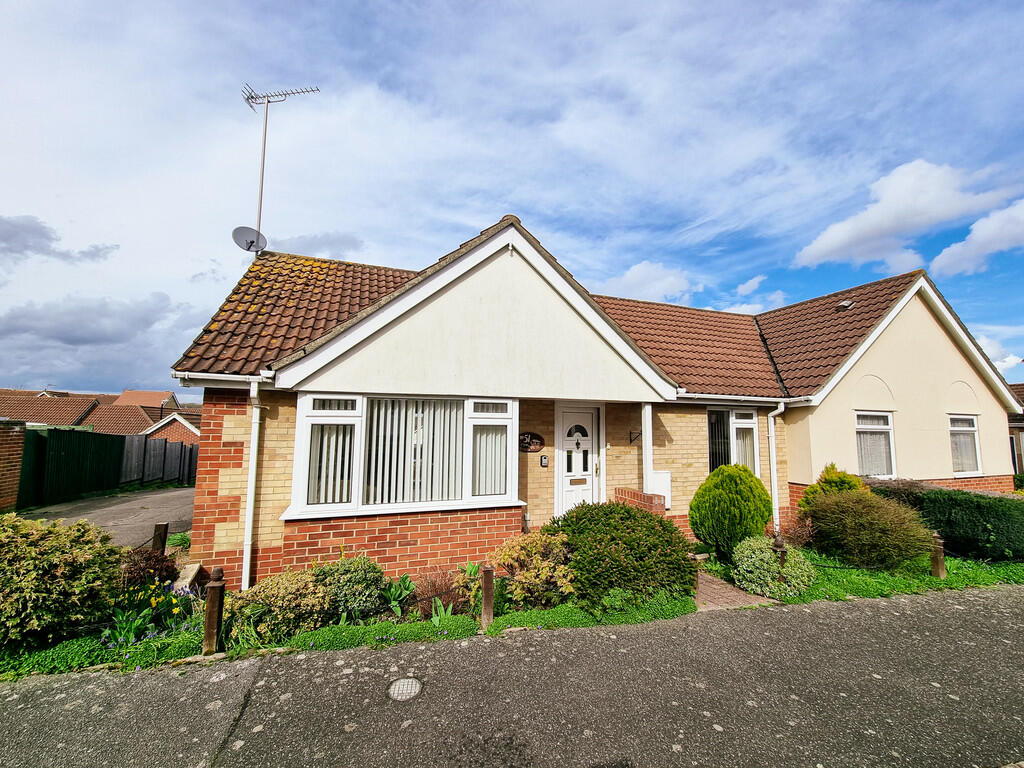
(963, 438)
(364, 455)
(875, 450)
(732, 439)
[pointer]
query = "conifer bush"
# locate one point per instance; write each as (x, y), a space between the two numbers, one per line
(729, 506)
(831, 480)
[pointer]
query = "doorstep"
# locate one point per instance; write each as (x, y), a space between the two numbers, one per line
(713, 594)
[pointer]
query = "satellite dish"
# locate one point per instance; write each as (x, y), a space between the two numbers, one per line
(248, 239)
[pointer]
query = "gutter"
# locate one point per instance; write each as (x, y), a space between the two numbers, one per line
(682, 394)
(250, 485)
(190, 379)
(773, 463)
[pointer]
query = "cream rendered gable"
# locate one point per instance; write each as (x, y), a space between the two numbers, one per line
(916, 370)
(500, 330)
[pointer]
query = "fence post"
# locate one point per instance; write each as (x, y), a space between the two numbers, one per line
(779, 547)
(487, 596)
(214, 611)
(938, 557)
(160, 536)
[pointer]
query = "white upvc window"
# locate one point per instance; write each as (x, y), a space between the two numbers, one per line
(732, 439)
(876, 450)
(363, 454)
(963, 439)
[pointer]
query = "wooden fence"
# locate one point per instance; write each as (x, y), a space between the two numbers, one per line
(60, 464)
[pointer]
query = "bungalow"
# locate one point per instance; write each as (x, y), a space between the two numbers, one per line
(1017, 432)
(424, 417)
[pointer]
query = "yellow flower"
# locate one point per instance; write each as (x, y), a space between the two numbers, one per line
(174, 600)
(176, 610)
(152, 601)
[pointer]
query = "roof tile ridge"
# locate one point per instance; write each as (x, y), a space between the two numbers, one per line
(919, 272)
(286, 254)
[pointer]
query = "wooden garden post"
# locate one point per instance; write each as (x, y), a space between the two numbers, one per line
(487, 596)
(160, 536)
(214, 611)
(938, 557)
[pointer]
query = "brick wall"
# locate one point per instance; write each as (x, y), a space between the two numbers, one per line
(12, 440)
(788, 515)
(175, 432)
(652, 502)
(1000, 483)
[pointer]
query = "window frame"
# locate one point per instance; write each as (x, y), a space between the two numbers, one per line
(734, 423)
(306, 417)
(890, 428)
(977, 442)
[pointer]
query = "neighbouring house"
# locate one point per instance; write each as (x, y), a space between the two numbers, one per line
(57, 411)
(1017, 432)
(164, 399)
(176, 427)
(424, 417)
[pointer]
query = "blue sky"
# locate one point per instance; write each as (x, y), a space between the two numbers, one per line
(727, 155)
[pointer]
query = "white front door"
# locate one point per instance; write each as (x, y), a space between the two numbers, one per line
(577, 458)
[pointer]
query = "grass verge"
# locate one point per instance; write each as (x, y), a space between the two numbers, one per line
(573, 615)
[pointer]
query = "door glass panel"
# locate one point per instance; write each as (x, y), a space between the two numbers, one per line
(577, 430)
(586, 460)
(568, 461)
(745, 447)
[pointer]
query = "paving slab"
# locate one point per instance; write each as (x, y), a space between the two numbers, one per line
(923, 680)
(129, 517)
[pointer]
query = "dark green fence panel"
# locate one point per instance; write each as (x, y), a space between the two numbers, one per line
(81, 462)
(33, 469)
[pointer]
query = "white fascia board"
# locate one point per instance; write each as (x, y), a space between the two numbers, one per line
(507, 240)
(222, 380)
(167, 420)
(698, 398)
(949, 322)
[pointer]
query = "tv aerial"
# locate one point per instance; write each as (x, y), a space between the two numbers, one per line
(247, 238)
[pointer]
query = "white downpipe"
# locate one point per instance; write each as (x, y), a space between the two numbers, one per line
(250, 485)
(647, 447)
(774, 465)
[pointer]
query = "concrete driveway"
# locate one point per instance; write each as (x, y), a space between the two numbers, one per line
(129, 517)
(929, 680)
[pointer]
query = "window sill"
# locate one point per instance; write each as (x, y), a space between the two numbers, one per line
(319, 512)
(958, 475)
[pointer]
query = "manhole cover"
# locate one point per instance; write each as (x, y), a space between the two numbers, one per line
(405, 688)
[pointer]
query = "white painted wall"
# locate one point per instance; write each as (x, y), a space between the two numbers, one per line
(916, 370)
(500, 330)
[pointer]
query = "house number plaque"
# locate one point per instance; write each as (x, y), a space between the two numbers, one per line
(530, 442)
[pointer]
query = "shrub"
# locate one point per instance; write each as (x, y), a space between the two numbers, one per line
(755, 568)
(618, 546)
(279, 606)
(537, 568)
(145, 566)
(356, 585)
(971, 524)
(831, 480)
(729, 506)
(442, 583)
(867, 530)
(1018, 481)
(53, 576)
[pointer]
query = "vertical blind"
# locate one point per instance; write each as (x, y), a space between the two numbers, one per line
(718, 439)
(413, 451)
(330, 464)
(490, 459)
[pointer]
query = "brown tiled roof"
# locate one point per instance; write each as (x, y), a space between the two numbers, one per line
(282, 302)
(56, 411)
(142, 397)
(113, 419)
(713, 353)
(811, 339)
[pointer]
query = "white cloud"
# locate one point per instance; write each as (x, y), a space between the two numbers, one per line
(750, 285)
(650, 281)
(999, 231)
(767, 301)
(1001, 358)
(908, 201)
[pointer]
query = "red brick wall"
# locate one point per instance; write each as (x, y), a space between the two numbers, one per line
(399, 543)
(175, 432)
(1000, 483)
(210, 507)
(652, 502)
(12, 440)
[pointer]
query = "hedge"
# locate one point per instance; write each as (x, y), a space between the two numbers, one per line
(972, 524)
